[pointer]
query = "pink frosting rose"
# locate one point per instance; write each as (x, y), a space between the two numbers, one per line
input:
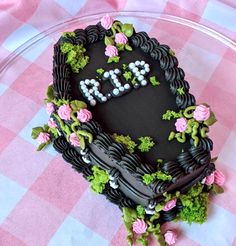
(43, 137)
(219, 178)
(111, 50)
(169, 205)
(64, 112)
(107, 21)
(74, 140)
(139, 226)
(52, 123)
(170, 237)
(120, 38)
(181, 124)
(201, 113)
(50, 107)
(209, 180)
(84, 115)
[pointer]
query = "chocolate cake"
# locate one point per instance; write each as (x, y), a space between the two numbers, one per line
(122, 115)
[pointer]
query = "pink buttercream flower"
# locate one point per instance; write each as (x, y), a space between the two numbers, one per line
(209, 180)
(170, 237)
(50, 107)
(201, 113)
(64, 112)
(74, 140)
(43, 137)
(181, 124)
(120, 38)
(52, 123)
(107, 21)
(84, 115)
(169, 205)
(139, 226)
(111, 50)
(219, 178)
(51, 83)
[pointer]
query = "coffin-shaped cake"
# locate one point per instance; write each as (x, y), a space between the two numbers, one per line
(122, 115)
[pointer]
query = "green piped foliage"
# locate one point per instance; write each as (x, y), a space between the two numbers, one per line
(153, 80)
(75, 56)
(194, 205)
(99, 179)
(146, 143)
(125, 140)
(169, 114)
(159, 175)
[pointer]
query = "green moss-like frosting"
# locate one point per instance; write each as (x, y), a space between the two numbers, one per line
(146, 143)
(169, 114)
(153, 80)
(149, 178)
(76, 57)
(125, 140)
(194, 205)
(99, 179)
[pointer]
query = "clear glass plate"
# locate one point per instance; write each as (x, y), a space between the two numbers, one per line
(198, 48)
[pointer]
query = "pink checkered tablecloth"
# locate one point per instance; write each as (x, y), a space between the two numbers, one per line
(42, 200)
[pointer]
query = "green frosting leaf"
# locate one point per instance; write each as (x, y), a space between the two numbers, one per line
(146, 144)
(127, 75)
(128, 47)
(217, 189)
(181, 91)
(50, 94)
(99, 179)
(113, 59)
(43, 145)
(76, 105)
(149, 178)
(153, 80)
(108, 41)
(171, 52)
(100, 71)
(126, 141)
(211, 120)
(35, 132)
(127, 29)
(120, 47)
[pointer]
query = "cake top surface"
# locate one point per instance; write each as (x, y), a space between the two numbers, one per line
(122, 114)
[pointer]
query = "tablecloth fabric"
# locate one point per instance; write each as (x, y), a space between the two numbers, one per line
(42, 200)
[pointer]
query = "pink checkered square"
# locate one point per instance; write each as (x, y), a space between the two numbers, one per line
(33, 88)
(219, 133)
(64, 192)
(222, 103)
(227, 200)
(15, 69)
(6, 137)
(33, 217)
(22, 163)
(207, 42)
(175, 9)
(222, 79)
(91, 208)
(45, 60)
(23, 11)
(197, 85)
(230, 54)
(7, 239)
(53, 13)
(14, 104)
(7, 20)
